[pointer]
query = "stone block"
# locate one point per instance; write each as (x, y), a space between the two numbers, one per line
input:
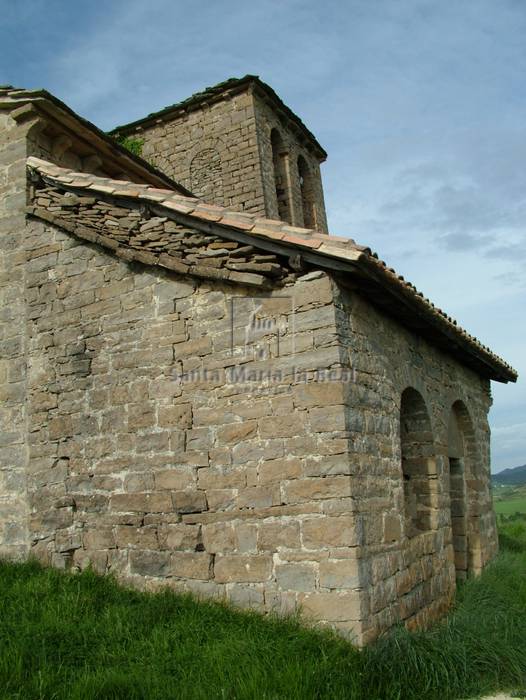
(252, 451)
(279, 470)
(281, 426)
(219, 537)
(247, 597)
(236, 432)
(259, 497)
(149, 563)
(175, 478)
(339, 573)
(332, 607)
(220, 477)
(196, 565)
(136, 537)
(189, 501)
(221, 499)
(242, 568)
(310, 489)
(246, 537)
(318, 394)
(179, 536)
(141, 503)
(328, 465)
(296, 577)
(101, 538)
(392, 527)
(276, 534)
(327, 419)
(324, 531)
(178, 416)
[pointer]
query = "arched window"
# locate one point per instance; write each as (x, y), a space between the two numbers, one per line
(307, 194)
(281, 178)
(418, 464)
(459, 432)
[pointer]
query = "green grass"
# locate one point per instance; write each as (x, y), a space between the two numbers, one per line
(512, 506)
(79, 637)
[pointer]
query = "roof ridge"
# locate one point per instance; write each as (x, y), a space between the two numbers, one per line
(215, 90)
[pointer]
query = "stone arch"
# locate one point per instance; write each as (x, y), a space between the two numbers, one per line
(280, 160)
(463, 462)
(308, 200)
(162, 163)
(206, 175)
(418, 462)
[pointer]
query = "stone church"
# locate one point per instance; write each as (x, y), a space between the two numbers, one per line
(203, 389)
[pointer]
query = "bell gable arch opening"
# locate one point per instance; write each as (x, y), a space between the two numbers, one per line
(419, 470)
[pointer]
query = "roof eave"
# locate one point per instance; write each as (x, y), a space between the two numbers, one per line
(483, 359)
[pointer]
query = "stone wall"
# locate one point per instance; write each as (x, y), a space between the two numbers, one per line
(406, 576)
(166, 456)
(266, 121)
(153, 461)
(133, 233)
(211, 150)
(186, 432)
(13, 341)
(222, 153)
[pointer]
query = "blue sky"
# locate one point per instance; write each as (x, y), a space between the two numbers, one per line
(420, 105)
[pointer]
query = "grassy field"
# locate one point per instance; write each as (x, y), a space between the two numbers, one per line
(79, 637)
(509, 499)
(512, 506)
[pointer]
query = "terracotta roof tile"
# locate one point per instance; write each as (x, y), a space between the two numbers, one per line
(105, 189)
(271, 224)
(325, 246)
(156, 190)
(245, 222)
(293, 230)
(267, 233)
(297, 240)
(209, 212)
(176, 205)
(132, 192)
(153, 196)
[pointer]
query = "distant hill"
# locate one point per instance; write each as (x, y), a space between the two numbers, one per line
(511, 477)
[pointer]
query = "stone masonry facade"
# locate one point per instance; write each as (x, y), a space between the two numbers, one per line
(203, 400)
(220, 148)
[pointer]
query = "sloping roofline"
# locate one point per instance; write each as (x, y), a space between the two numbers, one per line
(216, 93)
(15, 99)
(341, 256)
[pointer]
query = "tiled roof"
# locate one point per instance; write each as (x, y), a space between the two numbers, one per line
(341, 255)
(216, 92)
(18, 100)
